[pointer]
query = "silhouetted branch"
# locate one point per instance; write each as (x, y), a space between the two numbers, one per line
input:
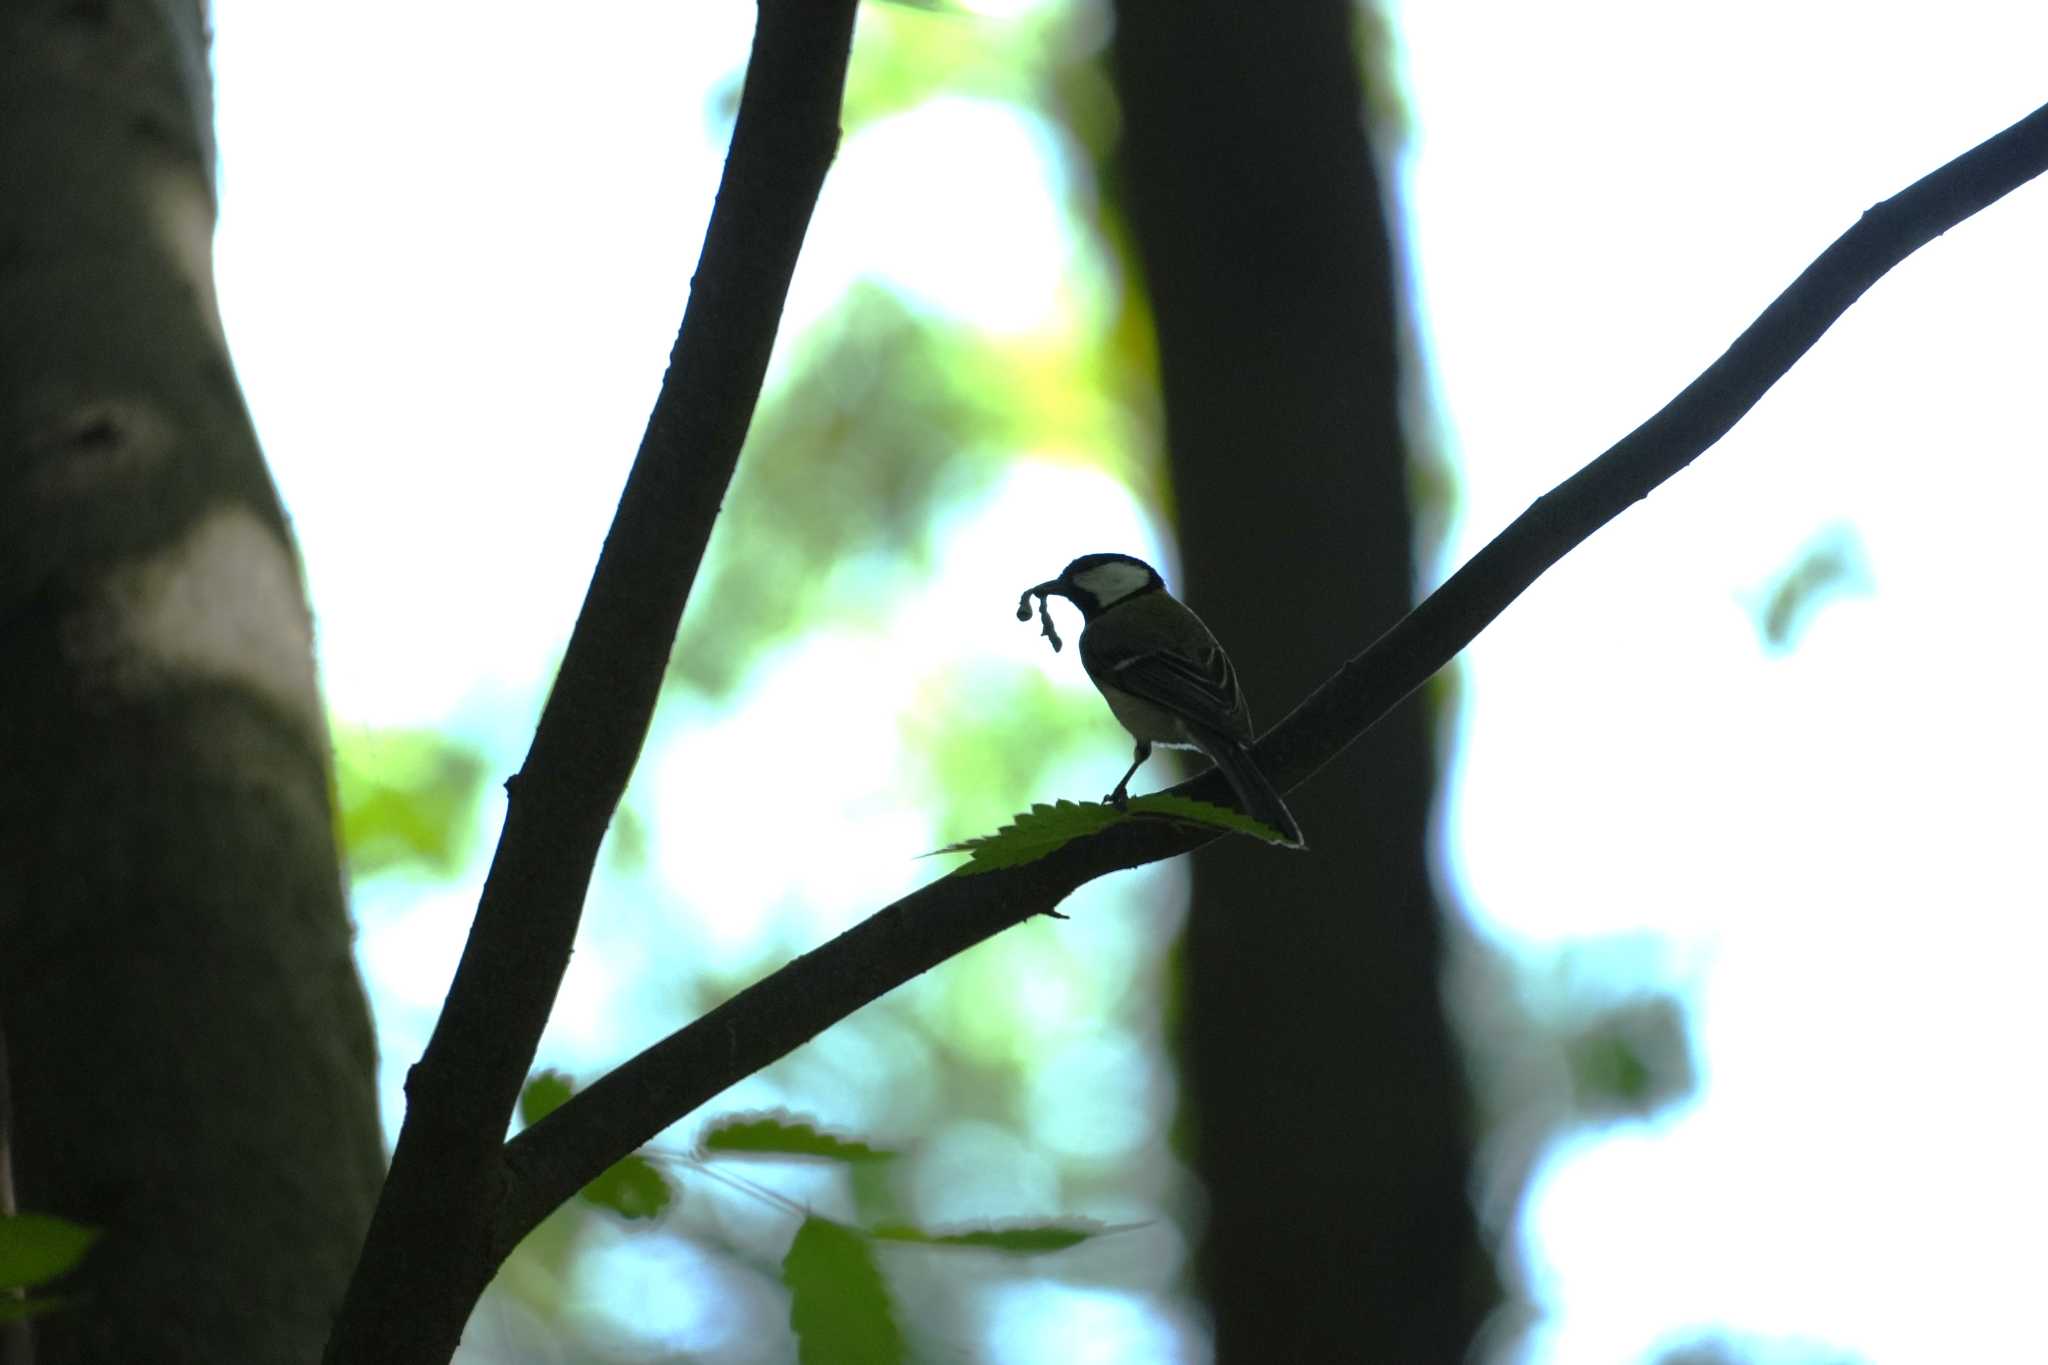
(549, 1162)
(430, 1250)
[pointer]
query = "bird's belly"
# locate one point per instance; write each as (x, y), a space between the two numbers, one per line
(1148, 721)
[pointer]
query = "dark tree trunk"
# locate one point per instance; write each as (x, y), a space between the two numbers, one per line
(1327, 1114)
(191, 1060)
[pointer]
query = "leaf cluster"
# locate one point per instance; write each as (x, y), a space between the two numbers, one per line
(842, 1307)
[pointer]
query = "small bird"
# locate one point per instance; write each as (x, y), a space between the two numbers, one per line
(1163, 675)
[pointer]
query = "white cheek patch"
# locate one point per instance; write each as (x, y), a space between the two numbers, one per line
(221, 605)
(1112, 582)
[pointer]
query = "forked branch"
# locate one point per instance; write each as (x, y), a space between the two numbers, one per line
(550, 1161)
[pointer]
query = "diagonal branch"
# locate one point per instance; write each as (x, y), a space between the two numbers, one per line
(550, 1161)
(1427, 638)
(428, 1253)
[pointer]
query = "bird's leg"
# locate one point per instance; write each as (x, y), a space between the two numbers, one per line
(1121, 797)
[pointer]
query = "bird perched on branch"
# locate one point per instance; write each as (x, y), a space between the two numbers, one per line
(1164, 677)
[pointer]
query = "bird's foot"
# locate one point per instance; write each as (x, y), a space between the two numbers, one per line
(1120, 798)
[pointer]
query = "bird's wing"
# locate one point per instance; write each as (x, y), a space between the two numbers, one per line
(1201, 688)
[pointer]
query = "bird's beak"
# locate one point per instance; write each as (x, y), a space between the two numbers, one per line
(1042, 592)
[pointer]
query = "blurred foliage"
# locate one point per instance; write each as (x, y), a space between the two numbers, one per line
(843, 1304)
(882, 416)
(1628, 1058)
(36, 1248)
(1722, 1349)
(883, 413)
(1828, 568)
(1590, 1034)
(905, 54)
(631, 1188)
(1559, 1040)
(628, 841)
(986, 734)
(989, 1012)
(407, 798)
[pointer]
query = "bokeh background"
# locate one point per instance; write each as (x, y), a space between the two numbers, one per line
(1739, 834)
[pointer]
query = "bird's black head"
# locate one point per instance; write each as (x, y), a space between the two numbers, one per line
(1094, 583)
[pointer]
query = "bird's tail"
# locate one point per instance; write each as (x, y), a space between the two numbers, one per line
(1259, 798)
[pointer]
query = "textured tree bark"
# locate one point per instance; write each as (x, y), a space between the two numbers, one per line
(1326, 1100)
(191, 1055)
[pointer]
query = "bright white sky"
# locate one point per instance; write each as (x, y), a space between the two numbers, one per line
(1842, 842)
(451, 303)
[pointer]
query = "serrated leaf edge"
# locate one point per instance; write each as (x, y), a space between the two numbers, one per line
(787, 1119)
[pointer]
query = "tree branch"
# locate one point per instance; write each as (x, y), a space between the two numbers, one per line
(429, 1252)
(549, 1162)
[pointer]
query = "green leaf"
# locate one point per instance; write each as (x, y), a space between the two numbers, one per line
(545, 1092)
(1043, 829)
(838, 1302)
(632, 1188)
(1024, 1239)
(35, 1247)
(1204, 813)
(1033, 834)
(781, 1133)
(407, 797)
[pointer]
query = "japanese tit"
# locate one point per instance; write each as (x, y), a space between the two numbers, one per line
(1163, 675)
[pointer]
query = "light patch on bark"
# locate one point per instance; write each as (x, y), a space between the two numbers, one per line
(223, 604)
(181, 211)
